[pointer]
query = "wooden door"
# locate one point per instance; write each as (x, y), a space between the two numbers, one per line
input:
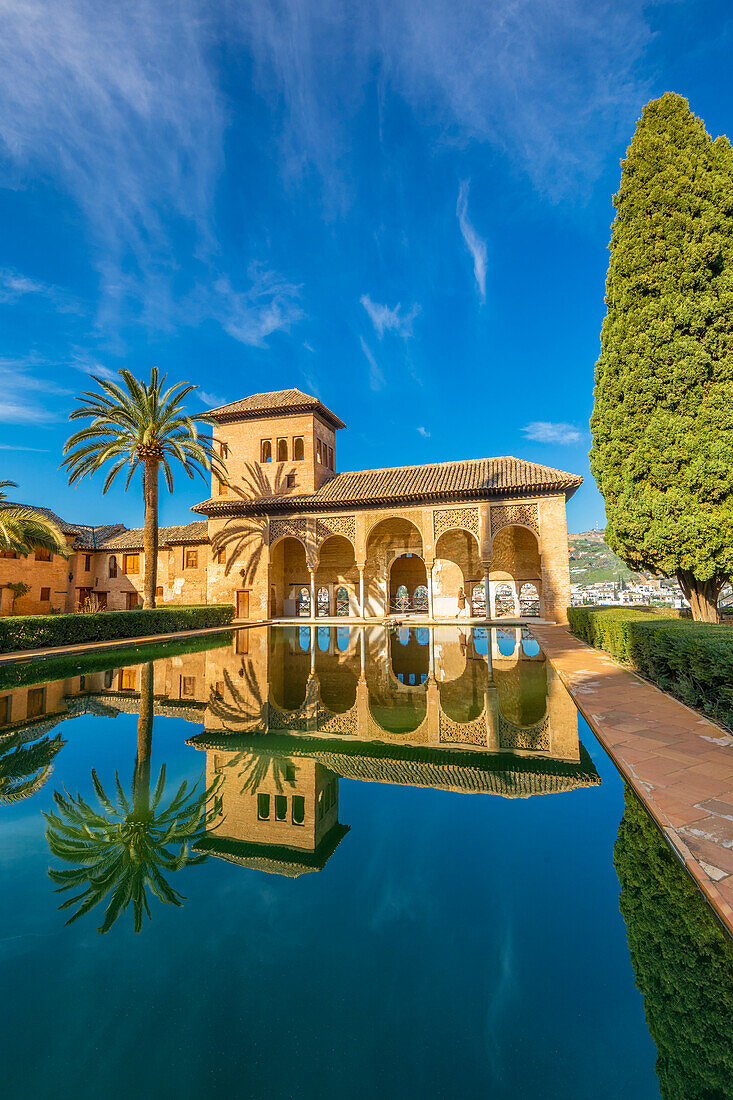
(242, 605)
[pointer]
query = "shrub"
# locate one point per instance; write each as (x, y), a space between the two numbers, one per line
(691, 660)
(46, 631)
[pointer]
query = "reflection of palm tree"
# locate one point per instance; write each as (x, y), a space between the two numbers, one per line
(240, 711)
(126, 848)
(243, 538)
(24, 768)
(256, 765)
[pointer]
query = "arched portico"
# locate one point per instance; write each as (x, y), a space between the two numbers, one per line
(389, 539)
(457, 565)
(515, 574)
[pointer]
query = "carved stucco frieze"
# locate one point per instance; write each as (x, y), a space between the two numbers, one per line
(462, 733)
(344, 723)
(297, 528)
(444, 519)
(336, 525)
(535, 738)
(504, 515)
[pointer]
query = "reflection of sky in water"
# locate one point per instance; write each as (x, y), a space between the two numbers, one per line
(324, 638)
(506, 641)
(405, 919)
(403, 635)
(422, 635)
(530, 646)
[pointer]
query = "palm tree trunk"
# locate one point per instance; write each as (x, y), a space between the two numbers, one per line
(141, 776)
(703, 596)
(150, 530)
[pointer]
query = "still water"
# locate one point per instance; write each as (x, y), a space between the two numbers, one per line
(339, 861)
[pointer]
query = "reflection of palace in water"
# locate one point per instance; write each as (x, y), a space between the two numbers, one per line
(287, 712)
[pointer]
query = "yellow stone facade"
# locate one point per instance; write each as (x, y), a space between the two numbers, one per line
(288, 536)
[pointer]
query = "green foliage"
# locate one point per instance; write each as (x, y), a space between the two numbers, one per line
(682, 960)
(42, 670)
(25, 765)
(662, 451)
(122, 853)
(693, 661)
(41, 631)
(22, 530)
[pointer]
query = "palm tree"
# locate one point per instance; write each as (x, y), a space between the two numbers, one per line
(129, 845)
(22, 530)
(140, 423)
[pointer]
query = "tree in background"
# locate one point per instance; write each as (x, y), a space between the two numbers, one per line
(140, 423)
(662, 423)
(22, 530)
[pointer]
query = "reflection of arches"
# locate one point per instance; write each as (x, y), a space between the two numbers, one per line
(506, 641)
(324, 638)
(504, 600)
(463, 699)
(529, 600)
(522, 692)
(282, 450)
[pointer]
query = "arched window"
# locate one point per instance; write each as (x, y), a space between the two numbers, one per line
(478, 599)
(266, 451)
(529, 600)
(113, 566)
(323, 602)
(506, 641)
(304, 601)
(298, 449)
(282, 450)
(342, 600)
(504, 600)
(403, 598)
(421, 598)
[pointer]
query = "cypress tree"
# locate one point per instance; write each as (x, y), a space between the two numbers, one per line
(662, 452)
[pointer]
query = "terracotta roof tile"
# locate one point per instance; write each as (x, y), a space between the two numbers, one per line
(476, 478)
(187, 533)
(261, 404)
(86, 536)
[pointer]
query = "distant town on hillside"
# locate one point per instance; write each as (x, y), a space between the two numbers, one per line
(597, 576)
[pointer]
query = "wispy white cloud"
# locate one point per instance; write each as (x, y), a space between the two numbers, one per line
(22, 393)
(209, 399)
(476, 246)
(13, 447)
(550, 85)
(14, 286)
(385, 319)
(118, 106)
(544, 431)
(270, 304)
(423, 432)
(376, 377)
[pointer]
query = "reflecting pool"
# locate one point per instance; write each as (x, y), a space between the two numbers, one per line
(303, 859)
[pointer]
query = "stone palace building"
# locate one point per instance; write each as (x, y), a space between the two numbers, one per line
(288, 536)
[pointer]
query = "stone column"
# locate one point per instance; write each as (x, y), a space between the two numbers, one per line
(516, 585)
(313, 593)
(429, 570)
(313, 649)
(486, 589)
(490, 602)
(361, 590)
(362, 638)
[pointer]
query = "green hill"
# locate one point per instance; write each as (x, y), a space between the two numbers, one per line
(591, 560)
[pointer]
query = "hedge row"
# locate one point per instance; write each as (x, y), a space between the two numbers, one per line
(693, 661)
(45, 631)
(43, 670)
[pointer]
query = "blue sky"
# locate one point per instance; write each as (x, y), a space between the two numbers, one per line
(402, 207)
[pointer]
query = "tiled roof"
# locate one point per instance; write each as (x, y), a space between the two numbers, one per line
(263, 404)
(419, 766)
(187, 533)
(86, 537)
(474, 478)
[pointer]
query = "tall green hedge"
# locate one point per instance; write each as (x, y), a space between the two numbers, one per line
(45, 631)
(693, 661)
(682, 960)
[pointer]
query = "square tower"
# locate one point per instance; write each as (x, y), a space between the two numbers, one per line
(275, 444)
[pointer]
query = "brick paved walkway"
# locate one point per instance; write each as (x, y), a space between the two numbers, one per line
(679, 763)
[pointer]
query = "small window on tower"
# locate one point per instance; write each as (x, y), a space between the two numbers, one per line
(266, 451)
(224, 450)
(221, 556)
(43, 555)
(330, 458)
(290, 481)
(223, 488)
(318, 450)
(45, 594)
(298, 449)
(282, 450)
